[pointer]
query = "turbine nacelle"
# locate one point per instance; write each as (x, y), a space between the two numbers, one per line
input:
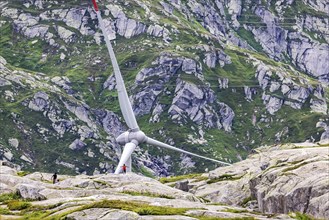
(136, 137)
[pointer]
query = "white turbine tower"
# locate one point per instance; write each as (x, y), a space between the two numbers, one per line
(134, 136)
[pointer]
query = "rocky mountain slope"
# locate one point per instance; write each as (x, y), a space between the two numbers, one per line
(278, 182)
(217, 78)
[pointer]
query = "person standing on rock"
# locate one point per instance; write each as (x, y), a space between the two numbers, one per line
(54, 178)
(124, 168)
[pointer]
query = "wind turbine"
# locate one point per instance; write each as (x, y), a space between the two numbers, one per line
(134, 136)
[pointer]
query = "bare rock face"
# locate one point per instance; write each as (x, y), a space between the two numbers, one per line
(311, 57)
(296, 188)
(281, 180)
(273, 38)
(76, 194)
(104, 214)
(292, 92)
(110, 122)
(211, 19)
(195, 102)
(154, 80)
(189, 102)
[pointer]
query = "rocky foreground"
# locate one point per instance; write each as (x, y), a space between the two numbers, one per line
(281, 182)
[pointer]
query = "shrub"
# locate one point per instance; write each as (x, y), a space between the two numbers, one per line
(178, 178)
(217, 218)
(9, 196)
(149, 194)
(301, 216)
(235, 210)
(4, 211)
(246, 200)
(18, 205)
(159, 210)
(140, 208)
(22, 173)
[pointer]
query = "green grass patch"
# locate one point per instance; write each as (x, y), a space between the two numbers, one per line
(235, 210)
(301, 216)
(102, 183)
(246, 200)
(4, 211)
(138, 207)
(300, 8)
(37, 215)
(178, 178)
(23, 173)
(225, 177)
(147, 173)
(9, 196)
(149, 194)
(218, 218)
(249, 37)
(43, 208)
(295, 167)
(18, 205)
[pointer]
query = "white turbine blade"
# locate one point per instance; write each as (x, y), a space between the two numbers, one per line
(128, 164)
(124, 102)
(126, 154)
(160, 144)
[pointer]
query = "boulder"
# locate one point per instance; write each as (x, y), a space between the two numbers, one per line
(62, 81)
(40, 102)
(65, 34)
(210, 59)
(182, 185)
(77, 145)
(223, 83)
(273, 105)
(28, 191)
(14, 142)
(189, 66)
(155, 30)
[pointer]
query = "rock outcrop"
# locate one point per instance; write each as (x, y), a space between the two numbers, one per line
(109, 196)
(232, 74)
(189, 102)
(281, 180)
(278, 179)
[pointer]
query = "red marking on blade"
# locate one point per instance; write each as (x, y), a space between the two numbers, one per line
(95, 5)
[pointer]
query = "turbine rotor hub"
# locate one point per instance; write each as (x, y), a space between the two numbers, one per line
(135, 137)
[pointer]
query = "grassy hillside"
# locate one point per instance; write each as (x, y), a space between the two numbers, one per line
(87, 67)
